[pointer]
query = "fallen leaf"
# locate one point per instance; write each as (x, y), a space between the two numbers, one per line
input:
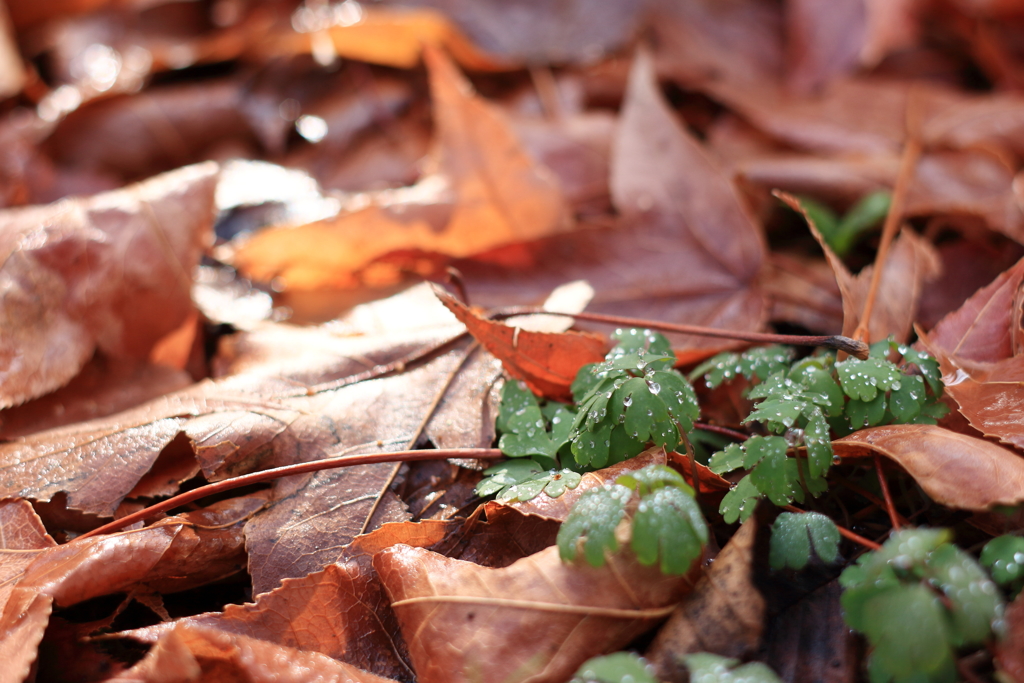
(487, 192)
(340, 611)
(111, 272)
(955, 470)
(103, 387)
(828, 39)
(546, 361)
(12, 70)
(190, 652)
(537, 619)
(723, 615)
(579, 31)
(695, 261)
(983, 329)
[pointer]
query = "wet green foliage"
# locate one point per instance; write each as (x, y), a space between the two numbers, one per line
(793, 536)
(708, 668)
(631, 399)
(917, 600)
(667, 524)
(521, 480)
(620, 667)
(807, 401)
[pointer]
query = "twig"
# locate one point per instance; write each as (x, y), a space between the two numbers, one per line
(864, 493)
(908, 162)
(833, 341)
(289, 470)
(843, 531)
(724, 431)
(884, 485)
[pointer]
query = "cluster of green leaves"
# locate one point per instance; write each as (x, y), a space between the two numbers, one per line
(802, 403)
(666, 521)
(631, 399)
(842, 234)
(626, 667)
(917, 600)
(537, 438)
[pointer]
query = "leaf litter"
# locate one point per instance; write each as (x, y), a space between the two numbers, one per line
(633, 147)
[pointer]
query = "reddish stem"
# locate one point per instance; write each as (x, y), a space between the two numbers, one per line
(289, 470)
(834, 341)
(724, 431)
(843, 531)
(884, 485)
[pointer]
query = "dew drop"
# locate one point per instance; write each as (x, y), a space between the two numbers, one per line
(627, 402)
(654, 387)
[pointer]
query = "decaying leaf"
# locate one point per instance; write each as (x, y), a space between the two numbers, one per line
(537, 619)
(723, 615)
(546, 361)
(111, 272)
(191, 652)
(487, 192)
(954, 469)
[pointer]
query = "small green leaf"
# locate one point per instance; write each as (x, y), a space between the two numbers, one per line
(864, 215)
(793, 535)
(778, 477)
(594, 518)
(652, 478)
(633, 340)
(591, 448)
(668, 524)
(708, 668)
(926, 364)
(819, 444)
(906, 401)
(727, 460)
(619, 667)
(778, 413)
(552, 482)
(758, 362)
(866, 413)
(758, 448)
(506, 474)
(515, 397)
(740, 501)
(1004, 557)
(863, 379)
(974, 600)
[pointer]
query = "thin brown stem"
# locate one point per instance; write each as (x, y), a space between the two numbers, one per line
(884, 485)
(864, 493)
(843, 531)
(833, 341)
(289, 470)
(724, 431)
(908, 162)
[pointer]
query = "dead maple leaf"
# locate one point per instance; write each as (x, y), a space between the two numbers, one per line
(537, 619)
(111, 272)
(954, 469)
(546, 361)
(486, 192)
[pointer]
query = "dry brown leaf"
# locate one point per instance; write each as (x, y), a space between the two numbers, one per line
(487, 192)
(546, 361)
(12, 70)
(340, 611)
(200, 653)
(578, 31)
(828, 38)
(111, 272)
(983, 329)
(723, 615)
(104, 386)
(954, 469)
(537, 619)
